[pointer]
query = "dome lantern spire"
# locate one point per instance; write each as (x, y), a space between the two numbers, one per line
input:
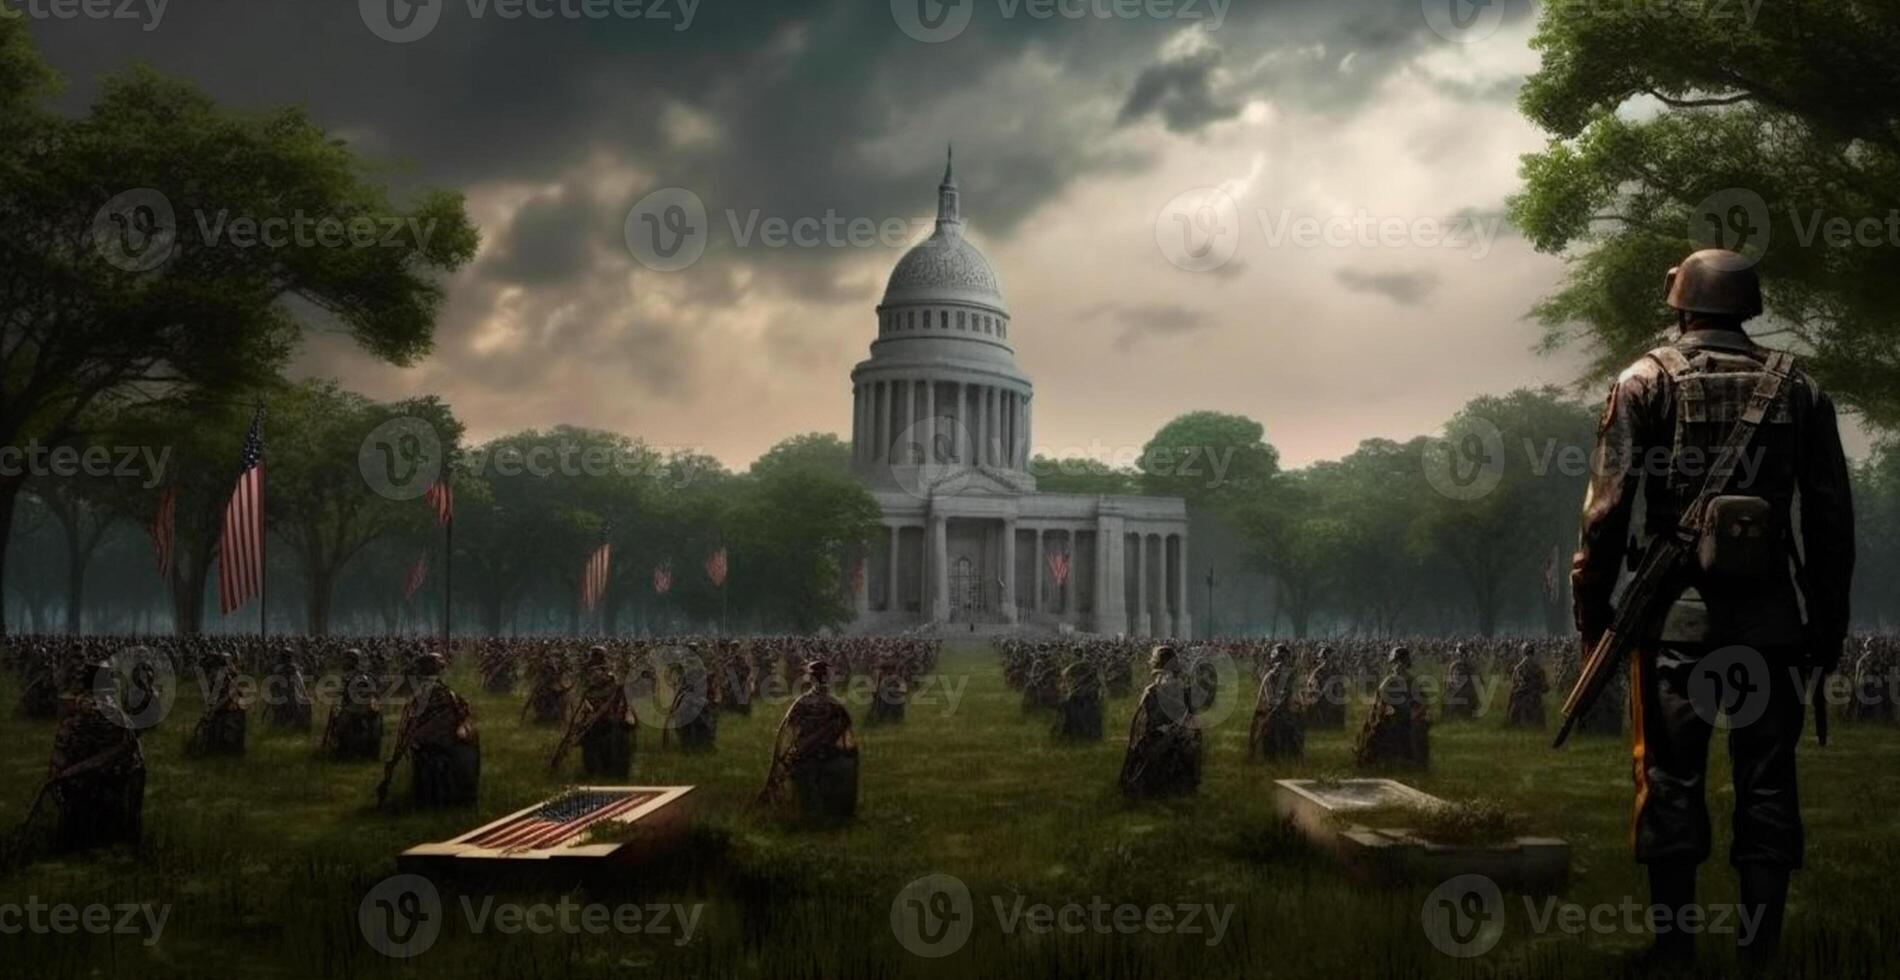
(949, 215)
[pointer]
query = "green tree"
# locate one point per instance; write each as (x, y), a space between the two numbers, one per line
(113, 288)
(1766, 131)
(1208, 458)
(1080, 474)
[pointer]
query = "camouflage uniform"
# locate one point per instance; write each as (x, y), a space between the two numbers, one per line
(1164, 737)
(1665, 416)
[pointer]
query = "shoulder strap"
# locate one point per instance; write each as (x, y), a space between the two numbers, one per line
(1775, 374)
(1672, 361)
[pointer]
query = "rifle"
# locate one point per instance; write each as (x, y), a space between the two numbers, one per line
(1667, 554)
(403, 739)
(574, 725)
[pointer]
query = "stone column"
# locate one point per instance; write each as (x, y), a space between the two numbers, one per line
(993, 446)
(1184, 593)
(930, 425)
(939, 577)
(1009, 570)
(982, 429)
(1144, 588)
(1035, 593)
(882, 451)
(1029, 430)
(892, 598)
(1111, 612)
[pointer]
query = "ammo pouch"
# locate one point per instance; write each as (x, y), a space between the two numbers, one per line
(1740, 538)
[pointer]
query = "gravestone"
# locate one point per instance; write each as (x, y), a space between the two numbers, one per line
(581, 830)
(1371, 824)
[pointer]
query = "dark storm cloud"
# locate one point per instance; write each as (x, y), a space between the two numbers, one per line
(1143, 321)
(1181, 91)
(549, 240)
(1400, 287)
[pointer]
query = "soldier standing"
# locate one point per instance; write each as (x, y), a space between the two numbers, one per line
(288, 707)
(890, 690)
(220, 730)
(1164, 736)
(1461, 689)
(1872, 700)
(1277, 732)
(1323, 697)
(1079, 714)
(354, 729)
(437, 732)
(1396, 731)
(691, 717)
(1528, 685)
(816, 751)
(1682, 402)
(97, 773)
(547, 690)
(603, 721)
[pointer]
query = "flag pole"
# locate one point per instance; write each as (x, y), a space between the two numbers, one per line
(448, 577)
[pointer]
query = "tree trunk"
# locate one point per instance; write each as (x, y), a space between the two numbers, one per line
(322, 584)
(75, 581)
(9, 498)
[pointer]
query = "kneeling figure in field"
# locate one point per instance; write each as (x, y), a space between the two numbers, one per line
(97, 772)
(1277, 732)
(1397, 725)
(1164, 737)
(438, 734)
(817, 752)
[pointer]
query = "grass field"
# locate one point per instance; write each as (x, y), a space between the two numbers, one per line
(264, 861)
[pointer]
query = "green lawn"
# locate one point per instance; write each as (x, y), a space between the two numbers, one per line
(264, 861)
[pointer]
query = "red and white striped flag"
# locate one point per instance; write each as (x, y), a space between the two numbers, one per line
(441, 499)
(417, 575)
(662, 579)
(164, 526)
(558, 823)
(594, 576)
(716, 567)
(241, 542)
(1059, 567)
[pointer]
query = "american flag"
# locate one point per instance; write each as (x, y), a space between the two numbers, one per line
(417, 574)
(594, 574)
(662, 579)
(1059, 567)
(241, 543)
(716, 567)
(164, 525)
(559, 822)
(441, 499)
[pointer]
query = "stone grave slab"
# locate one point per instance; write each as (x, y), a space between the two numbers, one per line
(1365, 823)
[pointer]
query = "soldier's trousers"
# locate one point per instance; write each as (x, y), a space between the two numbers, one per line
(1671, 752)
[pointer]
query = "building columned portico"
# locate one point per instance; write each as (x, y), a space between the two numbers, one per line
(941, 437)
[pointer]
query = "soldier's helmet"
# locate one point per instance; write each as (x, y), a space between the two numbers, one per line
(1280, 653)
(1527, 649)
(1718, 281)
(430, 664)
(819, 671)
(1458, 648)
(596, 656)
(1162, 657)
(1400, 657)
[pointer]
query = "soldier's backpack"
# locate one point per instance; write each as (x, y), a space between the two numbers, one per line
(1741, 535)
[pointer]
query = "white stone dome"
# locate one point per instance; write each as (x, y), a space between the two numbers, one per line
(945, 267)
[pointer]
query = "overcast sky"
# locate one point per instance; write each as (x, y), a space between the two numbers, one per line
(1368, 287)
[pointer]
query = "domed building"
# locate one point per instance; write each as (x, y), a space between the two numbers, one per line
(941, 436)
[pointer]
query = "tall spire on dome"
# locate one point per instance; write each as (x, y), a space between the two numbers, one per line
(949, 216)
